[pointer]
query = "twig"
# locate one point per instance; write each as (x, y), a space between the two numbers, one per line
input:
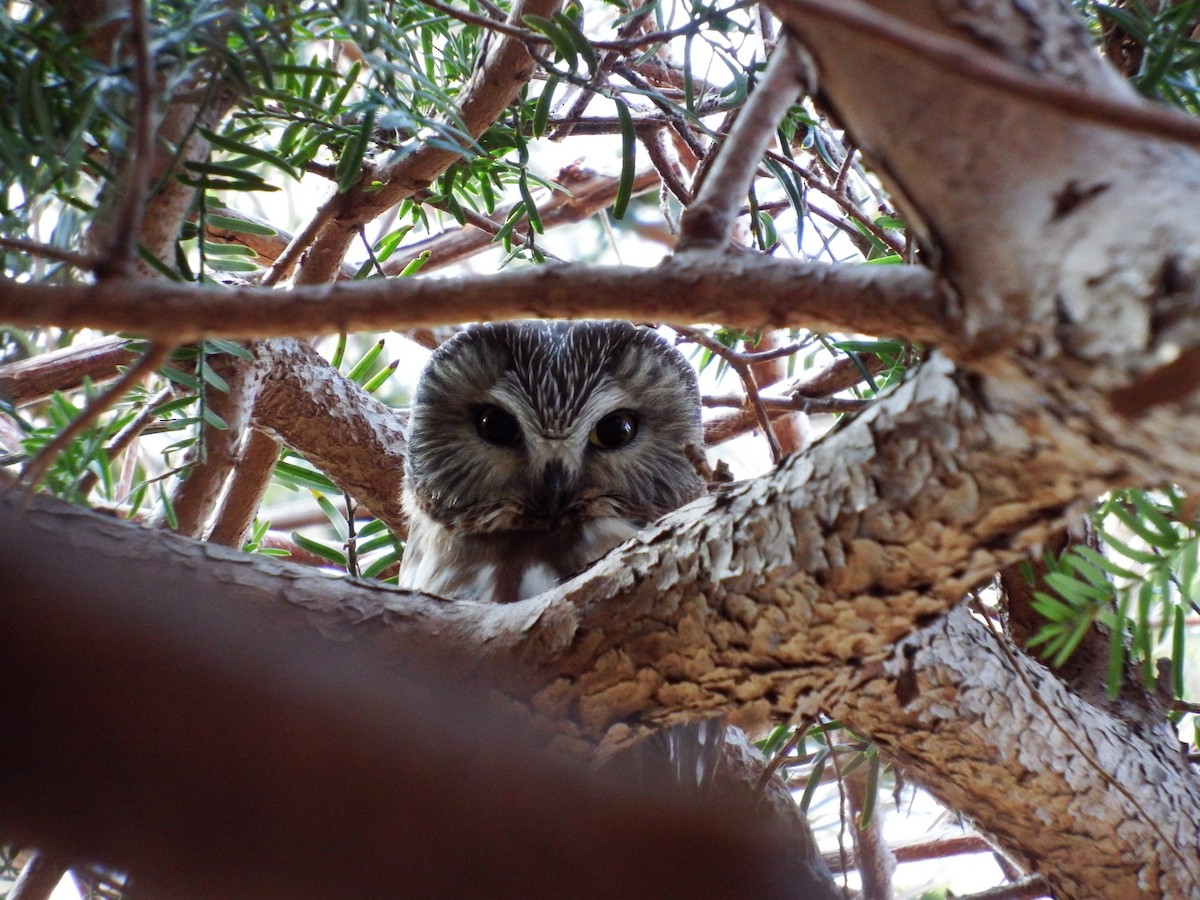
(485, 224)
(839, 183)
(779, 760)
(592, 125)
(810, 393)
(709, 220)
(677, 122)
(843, 854)
(126, 436)
(282, 267)
(249, 482)
(488, 23)
(668, 75)
(611, 58)
(742, 368)
(791, 404)
(839, 197)
(919, 851)
(211, 459)
(84, 261)
(621, 44)
(667, 166)
(584, 193)
(876, 864)
(119, 260)
(33, 471)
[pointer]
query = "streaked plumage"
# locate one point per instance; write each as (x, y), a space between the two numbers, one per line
(536, 447)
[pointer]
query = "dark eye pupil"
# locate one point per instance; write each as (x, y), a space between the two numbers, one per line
(615, 430)
(496, 426)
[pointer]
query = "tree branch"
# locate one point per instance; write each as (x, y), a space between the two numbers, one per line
(121, 255)
(212, 458)
(247, 486)
(38, 878)
(708, 221)
(735, 289)
(961, 59)
(201, 723)
(303, 402)
(495, 84)
(1117, 795)
(36, 467)
(34, 379)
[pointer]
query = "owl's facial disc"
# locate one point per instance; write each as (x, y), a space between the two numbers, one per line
(553, 428)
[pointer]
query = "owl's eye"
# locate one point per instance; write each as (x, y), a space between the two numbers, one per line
(498, 426)
(614, 431)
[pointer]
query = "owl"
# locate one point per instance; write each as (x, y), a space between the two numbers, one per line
(536, 447)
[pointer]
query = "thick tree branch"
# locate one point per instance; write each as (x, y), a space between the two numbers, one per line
(735, 289)
(38, 878)
(769, 598)
(757, 628)
(36, 378)
(356, 440)
(959, 59)
(1110, 793)
(224, 759)
(799, 591)
(1061, 213)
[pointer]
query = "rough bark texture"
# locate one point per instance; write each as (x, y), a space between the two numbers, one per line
(744, 601)
(1117, 804)
(304, 402)
(1056, 193)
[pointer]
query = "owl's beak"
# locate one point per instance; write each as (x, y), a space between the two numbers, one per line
(558, 490)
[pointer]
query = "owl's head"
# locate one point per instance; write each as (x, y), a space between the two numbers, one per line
(530, 426)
